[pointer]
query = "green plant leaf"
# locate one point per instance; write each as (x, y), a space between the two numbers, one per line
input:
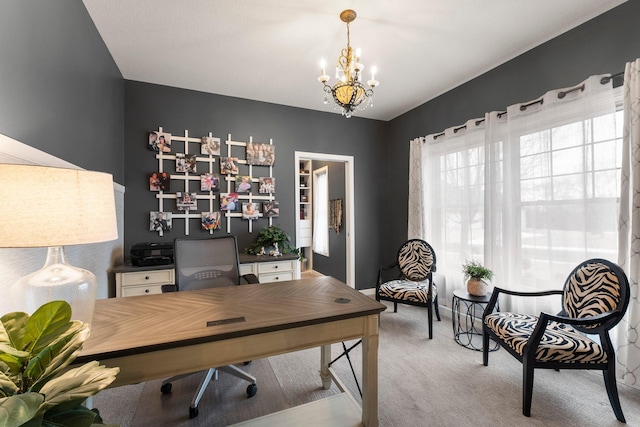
(46, 325)
(79, 416)
(19, 409)
(57, 356)
(75, 385)
(14, 328)
(7, 386)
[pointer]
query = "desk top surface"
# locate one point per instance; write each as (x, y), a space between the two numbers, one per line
(124, 326)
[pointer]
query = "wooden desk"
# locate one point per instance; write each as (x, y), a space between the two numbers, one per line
(157, 336)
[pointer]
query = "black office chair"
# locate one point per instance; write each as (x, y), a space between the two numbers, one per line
(202, 264)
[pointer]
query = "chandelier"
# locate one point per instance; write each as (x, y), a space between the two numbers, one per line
(349, 93)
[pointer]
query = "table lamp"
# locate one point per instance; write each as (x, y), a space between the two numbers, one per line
(55, 207)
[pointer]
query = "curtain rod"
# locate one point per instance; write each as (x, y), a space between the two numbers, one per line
(616, 82)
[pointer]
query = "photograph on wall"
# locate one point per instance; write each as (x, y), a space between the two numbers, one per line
(210, 146)
(229, 165)
(250, 211)
(160, 141)
(243, 184)
(209, 182)
(159, 221)
(159, 181)
(267, 184)
(210, 220)
(185, 162)
(186, 201)
(228, 201)
(271, 209)
(260, 154)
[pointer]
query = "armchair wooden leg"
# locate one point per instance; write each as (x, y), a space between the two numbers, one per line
(527, 387)
(485, 347)
(430, 315)
(612, 391)
(435, 305)
(395, 307)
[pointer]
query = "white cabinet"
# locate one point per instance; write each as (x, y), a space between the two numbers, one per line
(132, 281)
(278, 270)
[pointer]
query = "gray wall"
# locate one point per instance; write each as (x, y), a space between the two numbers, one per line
(149, 106)
(60, 90)
(335, 264)
(61, 93)
(602, 45)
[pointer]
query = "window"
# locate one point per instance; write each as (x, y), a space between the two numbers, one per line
(530, 195)
(321, 211)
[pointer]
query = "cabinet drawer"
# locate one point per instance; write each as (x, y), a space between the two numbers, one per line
(247, 269)
(131, 291)
(275, 267)
(276, 277)
(162, 277)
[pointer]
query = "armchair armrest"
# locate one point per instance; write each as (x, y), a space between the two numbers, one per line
(497, 291)
(385, 268)
(545, 318)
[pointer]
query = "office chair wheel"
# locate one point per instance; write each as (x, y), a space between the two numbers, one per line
(165, 388)
(193, 412)
(252, 389)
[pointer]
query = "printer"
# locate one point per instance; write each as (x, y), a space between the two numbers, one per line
(155, 253)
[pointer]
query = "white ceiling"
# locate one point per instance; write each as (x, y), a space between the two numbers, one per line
(269, 50)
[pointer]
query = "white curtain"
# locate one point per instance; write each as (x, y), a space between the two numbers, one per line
(453, 168)
(530, 192)
(628, 351)
(416, 226)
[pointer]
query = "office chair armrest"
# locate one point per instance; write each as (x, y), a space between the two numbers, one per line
(249, 279)
(169, 288)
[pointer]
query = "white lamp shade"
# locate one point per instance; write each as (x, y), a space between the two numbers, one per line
(45, 206)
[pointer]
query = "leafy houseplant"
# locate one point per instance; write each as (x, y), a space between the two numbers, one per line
(36, 386)
(268, 237)
(476, 274)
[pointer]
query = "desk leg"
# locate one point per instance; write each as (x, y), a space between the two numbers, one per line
(370, 374)
(325, 358)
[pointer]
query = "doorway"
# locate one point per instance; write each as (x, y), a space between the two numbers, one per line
(303, 205)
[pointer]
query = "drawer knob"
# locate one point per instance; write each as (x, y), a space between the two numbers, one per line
(275, 266)
(277, 278)
(146, 277)
(146, 291)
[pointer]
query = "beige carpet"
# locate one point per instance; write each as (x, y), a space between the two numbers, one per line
(421, 383)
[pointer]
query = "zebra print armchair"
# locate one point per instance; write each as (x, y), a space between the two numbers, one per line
(409, 279)
(594, 299)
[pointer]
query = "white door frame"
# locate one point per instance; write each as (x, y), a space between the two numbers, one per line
(349, 187)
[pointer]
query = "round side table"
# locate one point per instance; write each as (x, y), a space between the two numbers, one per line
(466, 316)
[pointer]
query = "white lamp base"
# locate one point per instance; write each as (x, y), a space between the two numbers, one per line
(57, 280)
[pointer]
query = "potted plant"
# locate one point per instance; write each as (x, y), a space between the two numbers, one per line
(36, 386)
(272, 238)
(476, 274)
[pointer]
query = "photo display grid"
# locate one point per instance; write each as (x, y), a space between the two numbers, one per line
(196, 179)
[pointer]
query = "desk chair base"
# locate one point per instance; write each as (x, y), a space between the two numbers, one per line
(212, 374)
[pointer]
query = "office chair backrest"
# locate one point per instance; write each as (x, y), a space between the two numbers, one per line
(594, 287)
(416, 260)
(206, 263)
